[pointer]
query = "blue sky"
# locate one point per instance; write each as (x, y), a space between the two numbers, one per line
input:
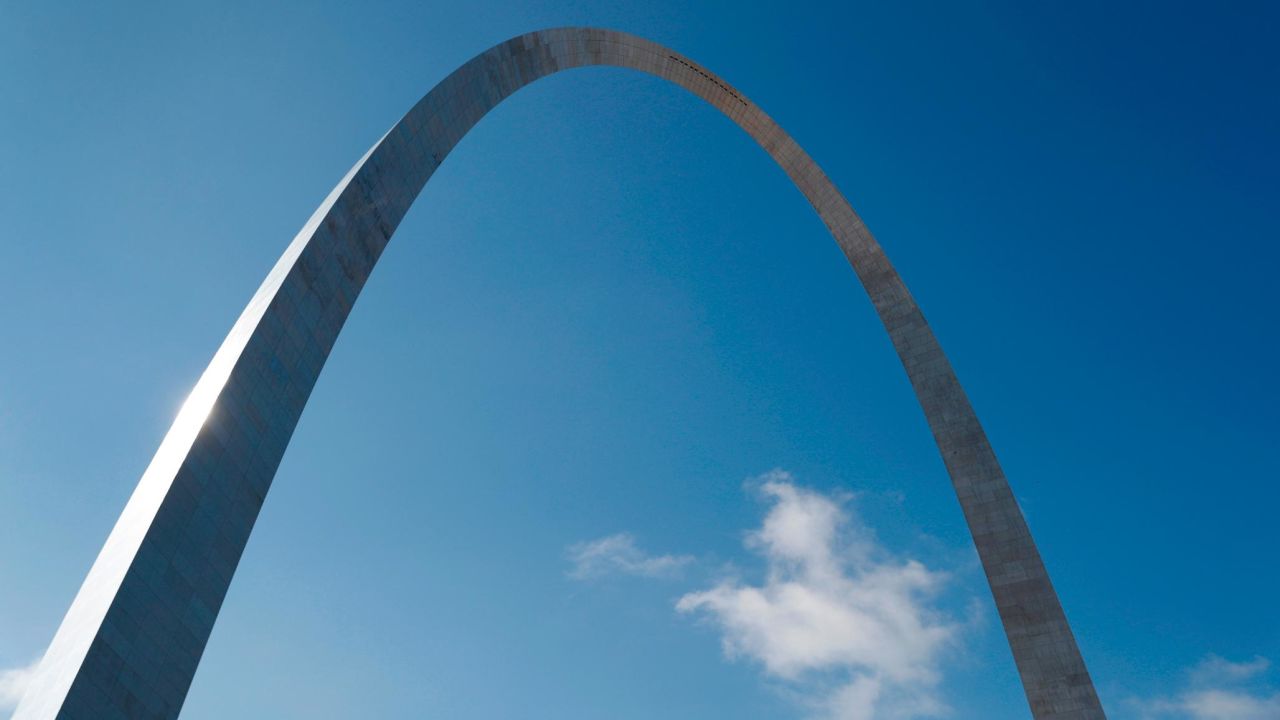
(612, 379)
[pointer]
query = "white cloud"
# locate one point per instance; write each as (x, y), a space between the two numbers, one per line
(837, 617)
(619, 554)
(1215, 669)
(13, 683)
(1218, 689)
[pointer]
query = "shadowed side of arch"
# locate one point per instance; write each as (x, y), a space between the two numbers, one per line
(130, 644)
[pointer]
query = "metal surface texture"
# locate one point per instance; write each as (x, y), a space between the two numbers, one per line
(132, 639)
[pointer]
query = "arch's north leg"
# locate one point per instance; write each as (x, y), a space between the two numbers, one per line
(130, 644)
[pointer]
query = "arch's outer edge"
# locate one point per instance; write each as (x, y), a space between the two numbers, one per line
(130, 644)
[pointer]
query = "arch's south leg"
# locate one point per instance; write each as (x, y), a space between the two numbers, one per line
(129, 646)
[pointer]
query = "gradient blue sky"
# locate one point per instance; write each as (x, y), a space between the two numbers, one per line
(610, 313)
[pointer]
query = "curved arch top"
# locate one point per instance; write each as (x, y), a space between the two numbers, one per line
(130, 644)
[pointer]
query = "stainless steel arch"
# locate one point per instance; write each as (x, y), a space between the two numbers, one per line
(130, 644)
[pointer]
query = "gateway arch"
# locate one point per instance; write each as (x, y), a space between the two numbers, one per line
(130, 643)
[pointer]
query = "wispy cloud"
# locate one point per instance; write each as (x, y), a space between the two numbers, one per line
(13, 683)
(837, 618)
(618, 554)
(1219, 689)
(1215, 669)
